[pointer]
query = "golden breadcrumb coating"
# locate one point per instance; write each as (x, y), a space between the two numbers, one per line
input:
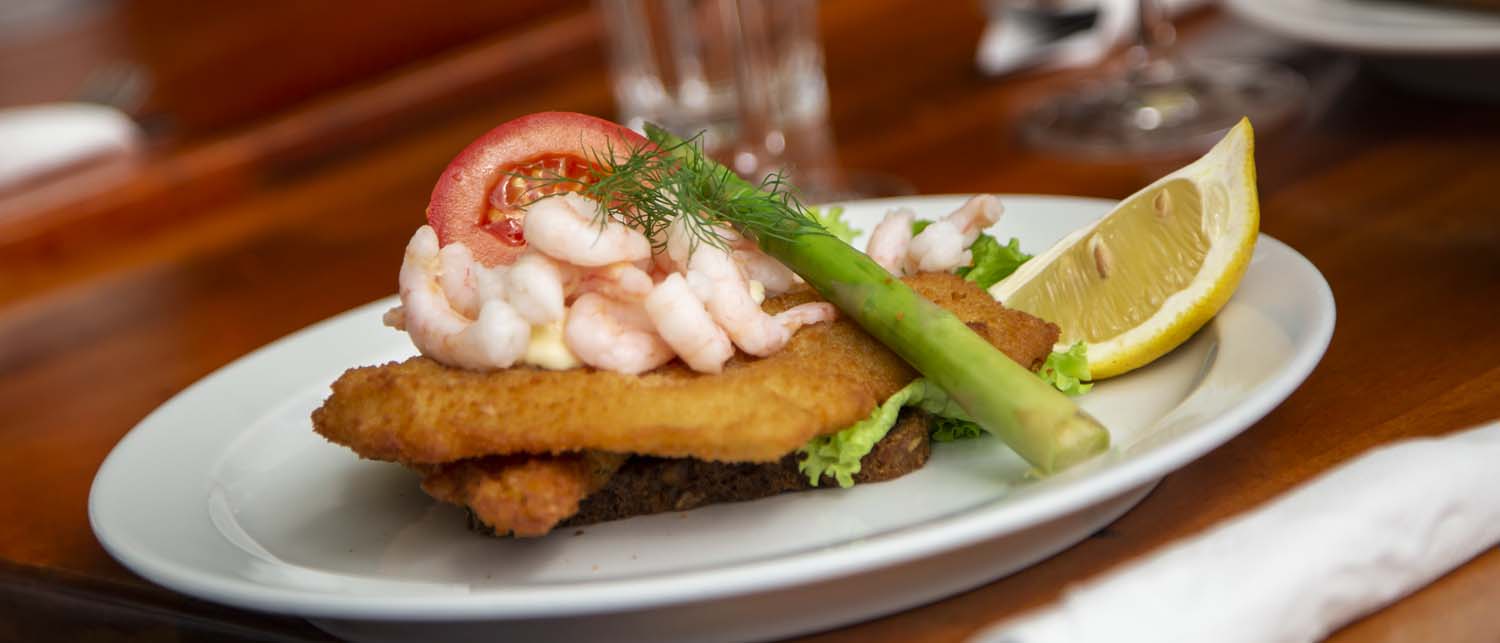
(829, 376)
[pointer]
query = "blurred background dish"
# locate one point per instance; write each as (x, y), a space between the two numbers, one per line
(1381, 26)
(1440, 47)
(1163, 103)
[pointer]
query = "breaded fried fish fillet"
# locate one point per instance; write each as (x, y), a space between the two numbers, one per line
(522, 494)
(829, 376)
(530, 495)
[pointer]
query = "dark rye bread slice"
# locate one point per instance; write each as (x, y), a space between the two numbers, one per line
(648, 485)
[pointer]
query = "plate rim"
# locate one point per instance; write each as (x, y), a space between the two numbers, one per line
(902, 545)
(1308, 28)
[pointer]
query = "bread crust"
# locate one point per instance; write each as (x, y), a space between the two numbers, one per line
(645, 485)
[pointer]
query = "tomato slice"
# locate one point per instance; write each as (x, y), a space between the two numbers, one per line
(479, 198)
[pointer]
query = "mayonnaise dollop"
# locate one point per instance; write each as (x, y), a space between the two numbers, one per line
(546, 349)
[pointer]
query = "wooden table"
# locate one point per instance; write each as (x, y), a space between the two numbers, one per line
(250, 222)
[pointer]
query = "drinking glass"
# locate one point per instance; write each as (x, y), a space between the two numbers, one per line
(1164, 104)
(746, 74)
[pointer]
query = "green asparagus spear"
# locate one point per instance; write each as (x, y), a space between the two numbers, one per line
(1034, 419)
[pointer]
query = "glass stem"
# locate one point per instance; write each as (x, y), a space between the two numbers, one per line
(1153, 35)
(1150, 17)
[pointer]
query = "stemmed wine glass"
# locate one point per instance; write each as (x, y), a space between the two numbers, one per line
(1164, 104)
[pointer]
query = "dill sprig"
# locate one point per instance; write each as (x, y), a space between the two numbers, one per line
(650, 187)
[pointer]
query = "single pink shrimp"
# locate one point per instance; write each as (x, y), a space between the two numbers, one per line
(622, 281)
(890, 240)
(466, 282)
(538, 286)
(614, 335)
(943, 245)
(571, 228)
(495, 339)
(686, 326)
(721, 284)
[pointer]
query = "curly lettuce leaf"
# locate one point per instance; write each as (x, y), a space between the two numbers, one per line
(832, 219)
(945, 429)
(838, 455)
(934, 400)
(1068, 370)
(992, 261)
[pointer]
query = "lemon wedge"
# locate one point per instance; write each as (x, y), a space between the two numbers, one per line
(1140, 281)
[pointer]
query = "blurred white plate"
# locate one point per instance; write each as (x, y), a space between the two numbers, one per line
(1378, 26)
(225, 493)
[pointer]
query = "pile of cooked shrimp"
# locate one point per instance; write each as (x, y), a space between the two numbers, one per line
(625, 306)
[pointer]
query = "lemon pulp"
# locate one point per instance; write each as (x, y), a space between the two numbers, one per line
(1144, 278)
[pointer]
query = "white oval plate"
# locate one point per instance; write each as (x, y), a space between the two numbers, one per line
(225, 493)
(1378, 26)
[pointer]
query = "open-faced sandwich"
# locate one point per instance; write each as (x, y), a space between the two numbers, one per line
(612, 325)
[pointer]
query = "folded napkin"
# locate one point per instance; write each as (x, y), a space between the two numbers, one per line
(1337, 548)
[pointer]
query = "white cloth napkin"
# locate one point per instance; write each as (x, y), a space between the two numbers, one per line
(41, 139)
(1339, 547)
(1008, 47)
